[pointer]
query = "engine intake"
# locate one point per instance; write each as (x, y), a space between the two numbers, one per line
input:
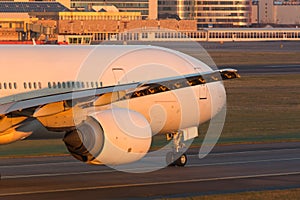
(112, 137)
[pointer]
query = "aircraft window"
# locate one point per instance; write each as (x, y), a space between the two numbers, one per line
(54, 85)
(49, 85)
(25, 85)
(92, 84)
(10, 85)
(15, 85)
(63, 84)
(29, 85)
(40, 85)
(58, 84)
(34, 85)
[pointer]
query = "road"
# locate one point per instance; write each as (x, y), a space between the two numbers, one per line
(232, 168)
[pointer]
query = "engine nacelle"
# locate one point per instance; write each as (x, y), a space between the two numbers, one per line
(12, 135)
(112, 137)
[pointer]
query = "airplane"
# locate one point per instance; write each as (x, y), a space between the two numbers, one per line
(109, 100)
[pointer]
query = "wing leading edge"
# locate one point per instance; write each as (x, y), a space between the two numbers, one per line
(131, 90)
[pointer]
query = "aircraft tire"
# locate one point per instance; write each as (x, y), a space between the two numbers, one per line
(181, 161)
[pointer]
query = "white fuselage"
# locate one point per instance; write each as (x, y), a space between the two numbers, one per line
(30, 71)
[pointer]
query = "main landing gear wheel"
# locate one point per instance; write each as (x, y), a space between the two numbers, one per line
(181, 160)
(176, 159)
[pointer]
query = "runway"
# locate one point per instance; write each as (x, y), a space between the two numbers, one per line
(267, 69)
(232, 168)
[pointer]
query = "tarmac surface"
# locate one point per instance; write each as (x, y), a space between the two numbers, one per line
(227, 169)
(267, 69)
(267, 46)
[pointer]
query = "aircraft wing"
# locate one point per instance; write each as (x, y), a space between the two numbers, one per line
(132, 90)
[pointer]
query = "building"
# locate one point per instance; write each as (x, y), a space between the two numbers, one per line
(47, 20)
(110, 16)
(81, 23)
(26, 20)
(276, 13)
(103, 29)
(147, 8)
(38, 9)
(183, 9)
(14, 26)
(223, 13)
(209, 13)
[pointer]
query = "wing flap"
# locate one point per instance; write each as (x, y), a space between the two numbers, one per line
(179, 82)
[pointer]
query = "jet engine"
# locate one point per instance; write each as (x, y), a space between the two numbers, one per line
(112, 137)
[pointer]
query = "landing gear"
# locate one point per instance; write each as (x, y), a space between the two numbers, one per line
(176, 157)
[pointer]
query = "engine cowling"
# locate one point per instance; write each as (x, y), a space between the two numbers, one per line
(12, 135)
(112, 137)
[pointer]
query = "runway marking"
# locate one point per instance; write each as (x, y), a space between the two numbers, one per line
(245, 162)
(282, 66)
(145, 168)
(56, 174)
(150, 184)
(254, 151)
(39, 164)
